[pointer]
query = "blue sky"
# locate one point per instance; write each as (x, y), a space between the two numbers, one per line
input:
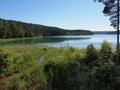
(67, 14)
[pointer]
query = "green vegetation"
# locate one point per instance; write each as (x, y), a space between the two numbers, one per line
(87, 69)
(62, 68)
(112, 9)
(32, 79)
(19, 68)
(104, 32)
(16, 29)
(79, 32)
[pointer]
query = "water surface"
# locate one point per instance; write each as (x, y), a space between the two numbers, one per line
(77, 41)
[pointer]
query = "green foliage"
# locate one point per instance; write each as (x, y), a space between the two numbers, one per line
(5, 62)
(106, 51)
(23, 68)
(61, 74)
(88, 69)
(16, 29)
(116, 55)
(18, 59)
(79, 32)
(15, 84)
(63, 68)
(37, 77)
(105, 75)
(64, 72)
(28, 80)
(116, 79)
(91, 54)
(111, 9)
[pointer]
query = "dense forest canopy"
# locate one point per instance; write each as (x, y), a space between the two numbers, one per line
(17, 29)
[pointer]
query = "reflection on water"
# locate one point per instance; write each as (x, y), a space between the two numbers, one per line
(77, 41)
(42, 40)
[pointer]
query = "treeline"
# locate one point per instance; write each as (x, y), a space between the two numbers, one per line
(17, 29)
(79, 32)
(104, 32)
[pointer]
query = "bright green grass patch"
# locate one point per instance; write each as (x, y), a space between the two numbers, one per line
(31, 79)
(22, 68)
(21, 57)
(15, 39)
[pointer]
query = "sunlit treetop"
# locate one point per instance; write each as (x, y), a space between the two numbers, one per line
(110, 9)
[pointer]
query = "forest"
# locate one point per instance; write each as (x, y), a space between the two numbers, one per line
(17, 29)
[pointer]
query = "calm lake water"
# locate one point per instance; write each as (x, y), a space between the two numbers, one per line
(77, 41)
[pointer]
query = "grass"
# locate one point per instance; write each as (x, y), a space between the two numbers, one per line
(26, 74)
(15, 39)
(31, 79)
(24, 71)
(23, 62)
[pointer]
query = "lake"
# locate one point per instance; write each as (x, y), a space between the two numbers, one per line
(77, 41)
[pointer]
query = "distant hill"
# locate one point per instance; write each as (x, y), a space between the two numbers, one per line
(79, 32)
(17, 29)
(104, 32)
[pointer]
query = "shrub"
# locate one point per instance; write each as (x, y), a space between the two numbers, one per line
(91, 54)
(16, 83)
(105, 76)
(5, 62)
(106, 51)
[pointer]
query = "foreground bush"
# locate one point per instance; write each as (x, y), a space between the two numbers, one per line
(62, 68)
(17, 62)
(93, 69)
(30, 80)
(5, 62)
